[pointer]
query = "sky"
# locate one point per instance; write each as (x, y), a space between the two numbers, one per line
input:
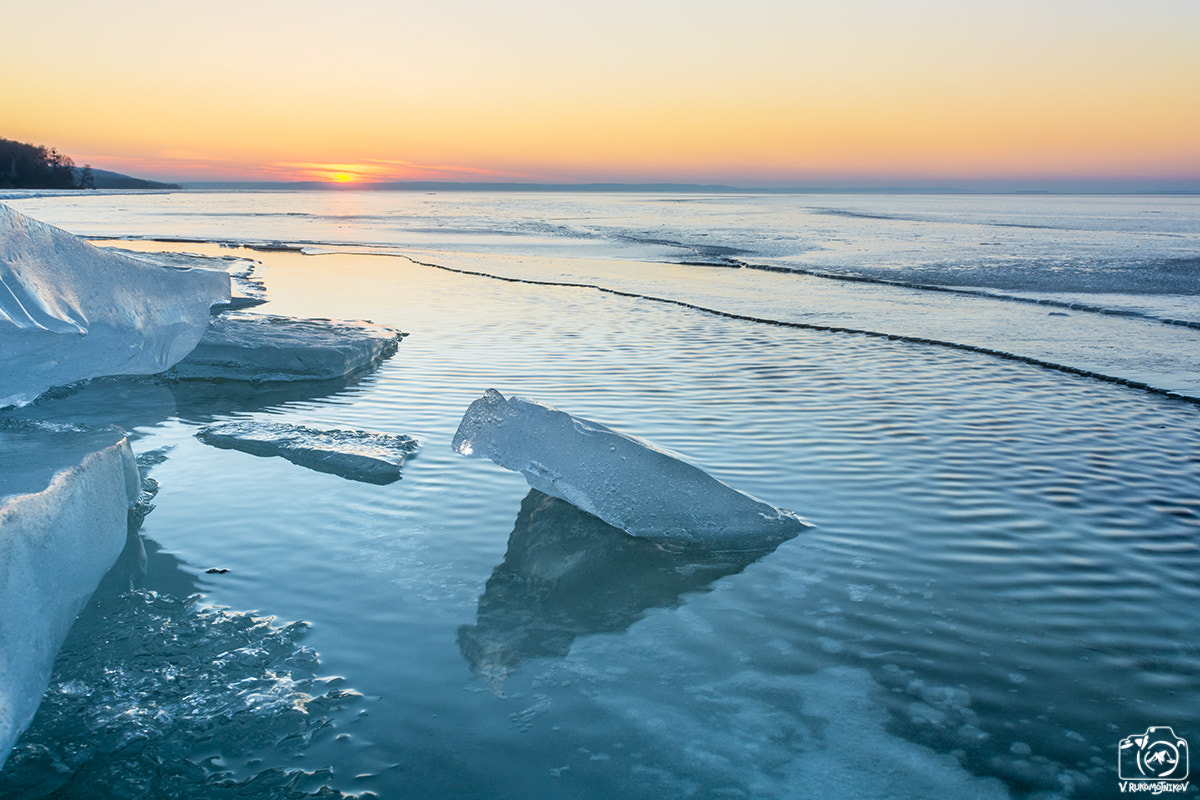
(740, 92)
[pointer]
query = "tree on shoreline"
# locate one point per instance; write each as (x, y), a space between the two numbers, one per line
(28, 166)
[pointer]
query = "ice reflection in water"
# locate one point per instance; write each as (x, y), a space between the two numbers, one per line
(567, 574)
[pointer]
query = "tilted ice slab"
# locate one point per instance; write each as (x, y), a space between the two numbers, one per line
(263, 348)
(71, 311)
(629, 483)
(64, 500)
(357, 455)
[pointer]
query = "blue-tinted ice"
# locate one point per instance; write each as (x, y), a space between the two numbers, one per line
(71, 311)
(629, 483)
(264, 348)
(64, 500)
(357, 455)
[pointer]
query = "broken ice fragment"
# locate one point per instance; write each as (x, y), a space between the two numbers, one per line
(356, 455)
(629, 483)
(261, 348)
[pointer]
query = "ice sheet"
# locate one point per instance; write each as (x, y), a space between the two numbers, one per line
(629, 483)
(71, 311)
(262, 348)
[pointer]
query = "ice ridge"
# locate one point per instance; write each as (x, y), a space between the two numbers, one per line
(629, 483)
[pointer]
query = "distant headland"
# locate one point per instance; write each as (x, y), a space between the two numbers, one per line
(31, 166)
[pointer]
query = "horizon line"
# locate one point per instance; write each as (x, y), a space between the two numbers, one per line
(1185, 186)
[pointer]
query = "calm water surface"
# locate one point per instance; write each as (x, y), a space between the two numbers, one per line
(1001, 584)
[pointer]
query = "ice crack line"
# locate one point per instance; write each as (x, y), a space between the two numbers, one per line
(988, 351)
(928, 287)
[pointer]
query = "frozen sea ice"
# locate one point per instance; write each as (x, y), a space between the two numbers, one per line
(266, 348)
(629, 483)
(356, 455)
(64, 500)
(70, 311)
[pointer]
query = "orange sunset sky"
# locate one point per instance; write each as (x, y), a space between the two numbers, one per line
(743, 92)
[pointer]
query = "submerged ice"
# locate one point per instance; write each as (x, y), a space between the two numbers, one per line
(357, 455)
(71, 311)
(629, 483)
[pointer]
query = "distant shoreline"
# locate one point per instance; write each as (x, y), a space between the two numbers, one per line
(587, 188)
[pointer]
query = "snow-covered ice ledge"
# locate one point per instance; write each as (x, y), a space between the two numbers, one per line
(64, 500)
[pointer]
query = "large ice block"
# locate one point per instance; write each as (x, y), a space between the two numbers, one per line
(64, 500)
(265, 348)
(629, 483)
(71, 311)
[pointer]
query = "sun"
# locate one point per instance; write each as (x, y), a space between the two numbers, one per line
(343, 177)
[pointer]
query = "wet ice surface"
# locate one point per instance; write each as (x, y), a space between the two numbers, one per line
(264, 348)
(356, 455)
(625, 481)
(1166, 358)
(1001, 585)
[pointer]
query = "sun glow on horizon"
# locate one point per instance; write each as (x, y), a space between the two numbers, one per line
(867, 90)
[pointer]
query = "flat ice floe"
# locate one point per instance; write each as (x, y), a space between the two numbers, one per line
(628, 482)
(357, 455)
(64, 500)
(263, 348)
(71, 311)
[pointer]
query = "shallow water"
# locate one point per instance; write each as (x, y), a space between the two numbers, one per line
(1001, 584)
